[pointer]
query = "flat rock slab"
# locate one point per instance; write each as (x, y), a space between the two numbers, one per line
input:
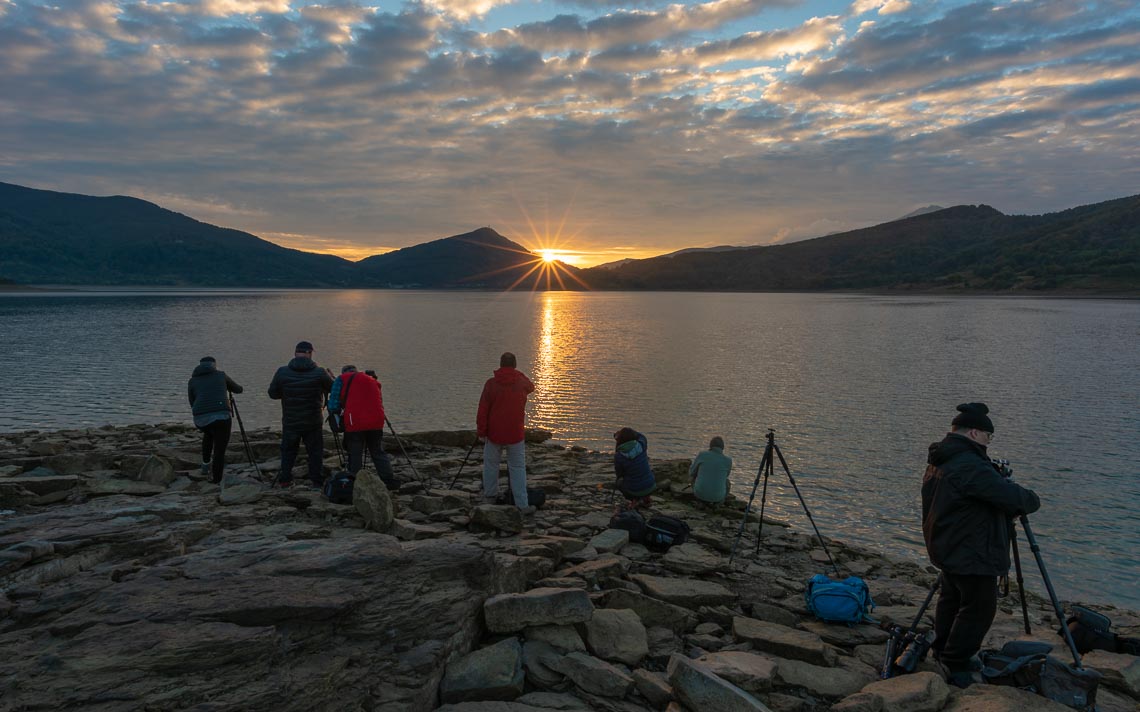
(829, 682)
(511, 612)
(241, 494)
(693, 560)
(493, 707)
(1121, 672)
(40, 485)
(845, 636)
(408, 531)
(491, 673)
(699, 688)
(998, 698)
(610, 541)
(919, 692)
(561, 637)
(651, 611)
(605, 566)
(748, 671)
(684, 592)
(595, 676)
(102, 487)
(784, 642)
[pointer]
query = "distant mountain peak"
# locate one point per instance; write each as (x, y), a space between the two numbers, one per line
(922, 211)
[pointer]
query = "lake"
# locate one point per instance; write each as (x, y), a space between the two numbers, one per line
(855, 386)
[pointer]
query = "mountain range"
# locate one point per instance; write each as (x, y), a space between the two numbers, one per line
(67, 239)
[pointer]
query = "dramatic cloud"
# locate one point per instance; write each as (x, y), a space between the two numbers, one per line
(645, 126)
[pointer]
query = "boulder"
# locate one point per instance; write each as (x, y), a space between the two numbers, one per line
(783, 641)
(918, 692)
(498, 517)
(1121, 672)
(491, 673)
(828, 682)
(511, 612)
(651, 611)
(562, 637)
(610, 540)
(157, 471)
(748, 671)
(371, 499)
(684, 592)
(595, 676)
(617, 635)
(698, 688)
(540, 661)
(241, 494)
(654, 687)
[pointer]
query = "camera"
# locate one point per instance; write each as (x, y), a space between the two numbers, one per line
(1002, 466)
(370, 372)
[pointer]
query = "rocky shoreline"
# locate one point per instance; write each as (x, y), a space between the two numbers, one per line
(129, 582)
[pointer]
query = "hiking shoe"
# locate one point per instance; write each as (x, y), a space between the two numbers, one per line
(964, 679)
(205, 468)
(528, 510)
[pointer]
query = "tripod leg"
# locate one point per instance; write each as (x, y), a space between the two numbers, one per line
(806, 510)
(1049, 587)
(748, 507)
(1020, 577)
(463, 464)
(766, 466)
(406, 455)
(926, 604)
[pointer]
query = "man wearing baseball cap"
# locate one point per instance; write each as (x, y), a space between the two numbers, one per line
(301, 386)
(967, 505)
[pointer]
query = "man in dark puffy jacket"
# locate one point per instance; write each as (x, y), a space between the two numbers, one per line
(967, 507)
(208, 391)
(499, 424)
(631, 466)
(357, 397)
(301, 386)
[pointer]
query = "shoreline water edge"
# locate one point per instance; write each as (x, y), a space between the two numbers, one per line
(129, 582)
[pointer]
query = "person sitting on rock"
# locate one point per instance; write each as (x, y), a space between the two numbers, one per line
(710, 470)
(356, 396)
(208, 391)
(635, 478)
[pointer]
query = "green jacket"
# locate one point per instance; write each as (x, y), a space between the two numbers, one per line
(711, 468)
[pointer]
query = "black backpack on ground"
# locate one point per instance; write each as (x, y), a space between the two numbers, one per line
(1090, 631)
(631, 521)
(338, 488)
(662, 532)
(1027, 665)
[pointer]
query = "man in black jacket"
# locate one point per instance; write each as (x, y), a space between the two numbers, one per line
(301, 386)
(208, 391)
(967, 507)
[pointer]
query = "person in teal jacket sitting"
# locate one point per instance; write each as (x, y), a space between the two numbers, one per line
(710, 470)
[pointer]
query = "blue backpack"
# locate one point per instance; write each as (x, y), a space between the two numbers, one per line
(847, 601)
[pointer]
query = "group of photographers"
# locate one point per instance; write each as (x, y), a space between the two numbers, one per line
(967, 502)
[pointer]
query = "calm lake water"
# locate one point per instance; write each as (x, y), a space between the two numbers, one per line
(855, 386)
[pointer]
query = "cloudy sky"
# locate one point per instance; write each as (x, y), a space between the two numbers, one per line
(607, 128)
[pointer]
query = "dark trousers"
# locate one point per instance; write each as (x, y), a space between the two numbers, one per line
(215, 440)
(372, 439)
(314, 449)
(965, 610)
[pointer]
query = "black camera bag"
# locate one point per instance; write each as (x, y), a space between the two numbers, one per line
(663, 531)
(1028, 666)
(1090, 631)
(338, 488)
(631, 521)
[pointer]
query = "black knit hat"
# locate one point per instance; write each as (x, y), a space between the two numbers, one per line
(973, 415)
(304, 347)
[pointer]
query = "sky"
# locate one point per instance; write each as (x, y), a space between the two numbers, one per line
(602, 129)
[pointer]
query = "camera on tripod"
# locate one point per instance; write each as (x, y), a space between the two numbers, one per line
(913, 645)
(1002, 466)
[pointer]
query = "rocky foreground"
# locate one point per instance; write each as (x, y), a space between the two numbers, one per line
(131, 583)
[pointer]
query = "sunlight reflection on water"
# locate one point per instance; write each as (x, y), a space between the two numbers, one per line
(855, 386)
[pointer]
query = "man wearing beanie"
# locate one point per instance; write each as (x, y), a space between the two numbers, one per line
(967, 506)
(208, 391)
(301, 386)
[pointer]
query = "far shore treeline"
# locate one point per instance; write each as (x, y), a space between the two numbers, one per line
(50, 238)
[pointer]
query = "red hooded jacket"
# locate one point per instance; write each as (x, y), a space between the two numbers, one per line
(501, 407)
(364, 409)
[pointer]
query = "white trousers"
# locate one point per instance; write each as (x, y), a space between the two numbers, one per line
(516, 465)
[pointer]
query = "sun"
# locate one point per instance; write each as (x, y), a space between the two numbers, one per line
(548, 255)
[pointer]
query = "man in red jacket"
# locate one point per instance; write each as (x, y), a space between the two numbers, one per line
(499, 424)
(357, 397)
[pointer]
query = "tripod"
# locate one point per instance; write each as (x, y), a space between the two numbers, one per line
(1024, 519)
(766, 469)
(244, 439)
(905, 648)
